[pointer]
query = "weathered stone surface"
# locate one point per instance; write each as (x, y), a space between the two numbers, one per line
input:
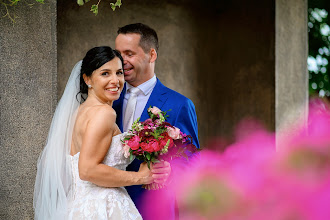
(221, 54)
(28, 98)
(291, 63)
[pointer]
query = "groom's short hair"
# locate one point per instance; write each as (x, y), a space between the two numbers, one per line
(149, 38)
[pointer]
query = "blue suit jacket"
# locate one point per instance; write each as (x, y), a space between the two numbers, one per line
(182, 115)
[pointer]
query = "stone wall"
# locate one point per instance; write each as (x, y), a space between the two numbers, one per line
(27, 101)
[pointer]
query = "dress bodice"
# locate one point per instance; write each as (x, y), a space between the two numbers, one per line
(114, 158)
(89, 201)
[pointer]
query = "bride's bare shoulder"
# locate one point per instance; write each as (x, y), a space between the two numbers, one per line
(101, 112)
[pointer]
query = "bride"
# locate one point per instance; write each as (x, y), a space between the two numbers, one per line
(81, 172)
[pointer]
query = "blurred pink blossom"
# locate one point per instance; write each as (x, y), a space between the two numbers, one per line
(250, 180)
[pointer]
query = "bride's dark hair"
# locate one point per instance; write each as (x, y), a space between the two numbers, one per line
(94, 59)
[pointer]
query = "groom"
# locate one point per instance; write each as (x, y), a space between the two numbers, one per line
(138, 45)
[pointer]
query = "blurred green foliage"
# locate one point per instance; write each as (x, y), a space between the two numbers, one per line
(319, 47)
(95, 7)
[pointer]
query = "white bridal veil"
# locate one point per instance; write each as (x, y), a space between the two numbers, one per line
(54, 174)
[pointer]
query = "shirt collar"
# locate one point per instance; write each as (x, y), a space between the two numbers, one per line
(145, 87)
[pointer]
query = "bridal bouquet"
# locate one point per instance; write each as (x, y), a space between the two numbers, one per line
(155, 139)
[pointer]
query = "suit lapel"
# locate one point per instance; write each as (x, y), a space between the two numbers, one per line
(157, 98)
(119, 108)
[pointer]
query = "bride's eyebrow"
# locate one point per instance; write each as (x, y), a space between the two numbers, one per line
(106, 70)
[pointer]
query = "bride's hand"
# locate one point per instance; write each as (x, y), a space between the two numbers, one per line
(145, 173)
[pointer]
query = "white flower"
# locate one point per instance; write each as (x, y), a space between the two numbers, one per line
(154, 110)
(174, 132)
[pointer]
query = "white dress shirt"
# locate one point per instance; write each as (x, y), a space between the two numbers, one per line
(143, 97)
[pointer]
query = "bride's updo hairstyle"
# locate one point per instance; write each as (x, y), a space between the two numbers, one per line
(94, 59)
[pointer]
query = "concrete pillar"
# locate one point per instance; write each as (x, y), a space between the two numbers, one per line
(27, 101)
(291, 76)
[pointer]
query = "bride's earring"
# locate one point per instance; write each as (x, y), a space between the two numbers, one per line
(89, 86)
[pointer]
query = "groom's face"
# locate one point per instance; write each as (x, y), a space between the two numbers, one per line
(136, 61)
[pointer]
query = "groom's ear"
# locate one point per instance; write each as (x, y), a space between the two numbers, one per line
(153, 55)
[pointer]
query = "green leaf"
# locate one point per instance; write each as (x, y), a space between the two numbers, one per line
(131, 157)
(136, 123)
(140, 157)
(95, 9)
(113, 6)
(80, 2)
(161, 117)
(154, 160)
(14, 2)
(148, 163)
(167, 143)
(148, 156)
(118, 3)
(41, 1)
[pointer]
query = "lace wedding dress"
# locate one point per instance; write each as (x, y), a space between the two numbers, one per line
(59, 193)
(90, 201)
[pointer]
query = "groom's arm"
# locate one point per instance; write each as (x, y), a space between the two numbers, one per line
(186, 120)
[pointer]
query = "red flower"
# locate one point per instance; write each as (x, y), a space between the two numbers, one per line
(155, 145)
(138, 152)
(150, 145)
(163, 141)
(133, 143)
(146, 147)
(145, 133)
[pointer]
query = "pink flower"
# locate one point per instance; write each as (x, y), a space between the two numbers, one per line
(154, 110)
(126, 151)
(133, 143)
(174, 132)
(147, 122)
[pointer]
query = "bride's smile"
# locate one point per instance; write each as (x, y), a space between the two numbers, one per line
(114, 89)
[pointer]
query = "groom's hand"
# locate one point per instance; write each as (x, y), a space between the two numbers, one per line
(161, 171)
